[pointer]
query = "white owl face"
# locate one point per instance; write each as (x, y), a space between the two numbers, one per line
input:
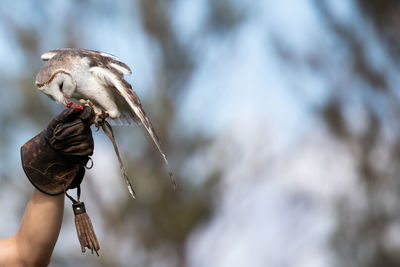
(61, 87)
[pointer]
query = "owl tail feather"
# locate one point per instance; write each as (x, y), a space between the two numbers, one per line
(109, 132)
(150, 129)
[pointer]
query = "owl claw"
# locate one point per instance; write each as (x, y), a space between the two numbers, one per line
(98, 113)
(100, 119)
(97, 125)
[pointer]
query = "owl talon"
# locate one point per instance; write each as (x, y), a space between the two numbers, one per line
(103, 117)
(97, 125)
(97, 112)
(100, 119)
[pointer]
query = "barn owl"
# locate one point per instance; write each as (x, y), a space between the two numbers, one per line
(97, 77)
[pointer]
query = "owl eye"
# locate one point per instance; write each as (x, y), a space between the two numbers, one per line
(61, 86)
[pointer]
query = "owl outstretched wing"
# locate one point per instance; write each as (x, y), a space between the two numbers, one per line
(112, 76)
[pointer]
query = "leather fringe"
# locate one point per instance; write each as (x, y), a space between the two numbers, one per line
(84, 228)
(83, 224)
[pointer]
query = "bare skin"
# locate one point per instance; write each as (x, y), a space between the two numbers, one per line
(34, 242)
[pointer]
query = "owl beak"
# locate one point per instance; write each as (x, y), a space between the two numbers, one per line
(65, 101)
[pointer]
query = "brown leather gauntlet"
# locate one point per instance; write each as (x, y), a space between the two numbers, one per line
(54, 160)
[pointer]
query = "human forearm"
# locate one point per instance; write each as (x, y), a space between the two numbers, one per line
(40, 228)
(54, 162)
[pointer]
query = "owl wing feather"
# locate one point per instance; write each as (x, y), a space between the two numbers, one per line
(48, 55)
(115, 80)
(82, 52)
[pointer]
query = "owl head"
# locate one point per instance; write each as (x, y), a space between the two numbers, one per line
(55, 79)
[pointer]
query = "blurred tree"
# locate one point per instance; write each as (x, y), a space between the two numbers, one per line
(362, 111)
(165, 218)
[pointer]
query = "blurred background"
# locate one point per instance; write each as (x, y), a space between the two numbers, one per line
(280, 120)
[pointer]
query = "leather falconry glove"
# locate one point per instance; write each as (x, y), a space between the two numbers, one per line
(55, 160)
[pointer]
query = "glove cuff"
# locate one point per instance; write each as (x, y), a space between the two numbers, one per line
(47, 170)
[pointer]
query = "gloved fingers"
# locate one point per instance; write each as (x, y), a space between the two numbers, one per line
(78, 149)
(64, 135)
(66, 115)
(87, 115)
(64, 144)
(71, 141)
(67, 145)
(70, 134)
(73, 128)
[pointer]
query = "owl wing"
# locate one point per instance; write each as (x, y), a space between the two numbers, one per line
(49, 54)
(86, 53)
(112, 77)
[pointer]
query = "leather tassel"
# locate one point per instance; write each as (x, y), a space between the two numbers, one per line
(84, 228)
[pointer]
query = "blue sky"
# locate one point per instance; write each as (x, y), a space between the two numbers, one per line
(241, 92)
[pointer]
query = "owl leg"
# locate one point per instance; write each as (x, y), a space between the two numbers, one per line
(100, 120)
(103, 117)
(99, 116)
